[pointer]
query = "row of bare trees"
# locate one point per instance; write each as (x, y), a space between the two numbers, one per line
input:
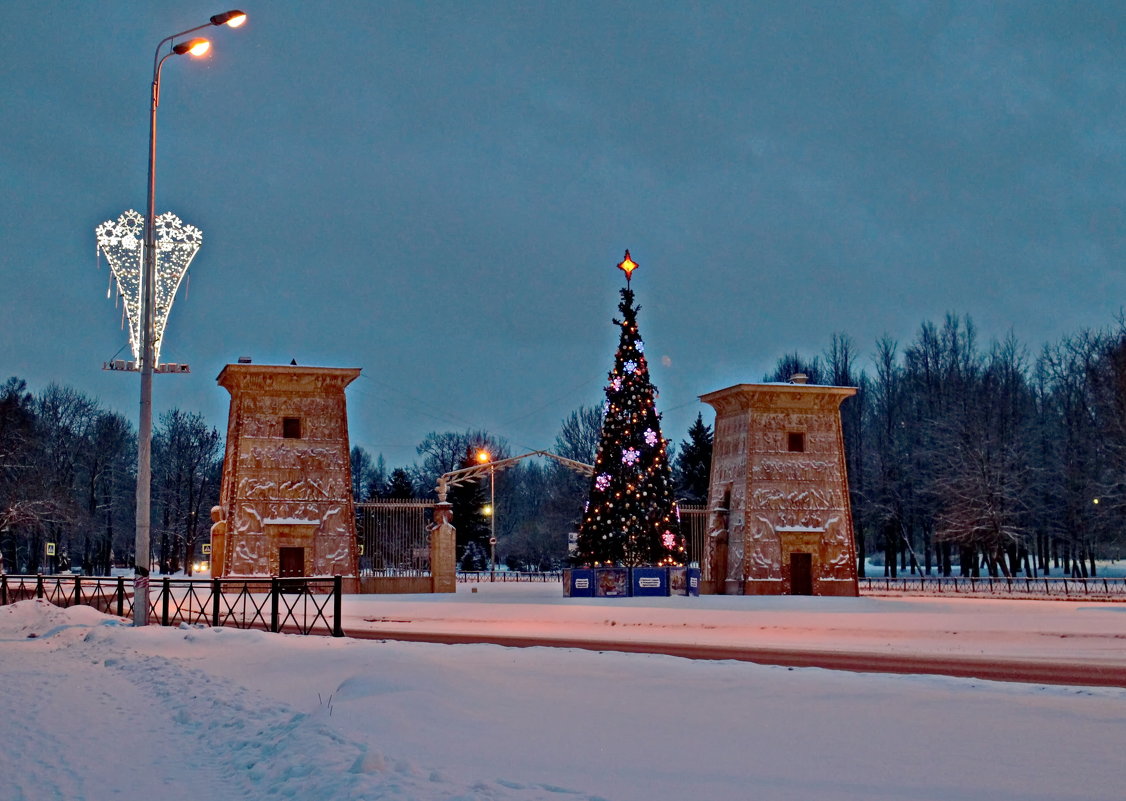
(965, 458)
(68, 483)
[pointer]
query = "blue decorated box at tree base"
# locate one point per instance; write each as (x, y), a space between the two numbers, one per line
(693, 576)
(649, 581)
(611, 582)
(625, 582)
(578, 582)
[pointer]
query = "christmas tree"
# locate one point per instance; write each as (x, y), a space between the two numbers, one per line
(630, 517)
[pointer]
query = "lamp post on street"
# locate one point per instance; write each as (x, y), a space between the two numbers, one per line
(141, 560)
(484, 457)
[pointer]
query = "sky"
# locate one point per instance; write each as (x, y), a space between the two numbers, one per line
(439, 192)
(243, 714)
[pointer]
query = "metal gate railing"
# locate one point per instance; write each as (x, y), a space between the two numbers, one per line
(295, 605)
(394, 537)
(694, 525)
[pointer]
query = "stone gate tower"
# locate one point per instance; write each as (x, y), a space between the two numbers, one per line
(779, 515)
(286, 498)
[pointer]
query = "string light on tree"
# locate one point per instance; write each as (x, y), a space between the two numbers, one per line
(630, 517)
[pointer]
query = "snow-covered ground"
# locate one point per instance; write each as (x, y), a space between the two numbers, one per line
(92, 708)
(1088, 632)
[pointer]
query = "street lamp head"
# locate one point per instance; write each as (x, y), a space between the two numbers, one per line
(232, 19)
(482, 456)
(197, 47)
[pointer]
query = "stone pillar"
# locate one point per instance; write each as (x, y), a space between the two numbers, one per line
(443, 549)
(218, 541)
(715, 555)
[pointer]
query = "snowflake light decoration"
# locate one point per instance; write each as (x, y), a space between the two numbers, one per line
(650, 437)
(640, 346)
(631, 455)
(602, 482)
(617, 383)
(122, 240)
(668, 539)
(630, 366)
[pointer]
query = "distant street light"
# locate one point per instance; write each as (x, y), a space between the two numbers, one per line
(483, 457)
(142, 563)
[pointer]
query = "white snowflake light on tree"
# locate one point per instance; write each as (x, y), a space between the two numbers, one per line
(668, 539)
(640, 346)
(616, 383)
(603, 481)
(631, 455)
(650, 437)
(629, 366)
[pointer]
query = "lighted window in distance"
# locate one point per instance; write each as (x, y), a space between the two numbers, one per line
(291, 427)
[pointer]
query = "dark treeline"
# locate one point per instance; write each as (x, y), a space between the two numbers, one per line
(68, 477)
(966, 459)
(963, 459)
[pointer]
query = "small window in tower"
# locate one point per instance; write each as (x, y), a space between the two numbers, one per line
(795, 442)
(291, 427)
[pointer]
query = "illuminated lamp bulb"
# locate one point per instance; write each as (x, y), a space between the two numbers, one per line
(197, 47)
(232, 19)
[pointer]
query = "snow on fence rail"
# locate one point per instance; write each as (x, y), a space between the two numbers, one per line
(1078, 589)
(296, 605)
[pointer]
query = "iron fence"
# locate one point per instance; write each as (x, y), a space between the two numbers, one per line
(1000, 586)
(295, 605)
(394, 537)
(693, 525)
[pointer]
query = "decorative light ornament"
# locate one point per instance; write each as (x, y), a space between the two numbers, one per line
(122, 240)
(602, 482)
(640, 346)
(650, 437)
(627, 266)
(630, 366)
(668, 539)
(630, 455)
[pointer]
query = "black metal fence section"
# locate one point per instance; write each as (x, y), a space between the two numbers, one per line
(1078, 589)
(294, 605)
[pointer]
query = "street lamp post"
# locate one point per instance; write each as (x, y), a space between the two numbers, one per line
(482, 457)
(141, 560)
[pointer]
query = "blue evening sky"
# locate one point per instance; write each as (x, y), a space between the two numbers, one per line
(438, 192)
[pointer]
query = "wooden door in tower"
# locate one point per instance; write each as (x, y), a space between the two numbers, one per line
(801, 573)
(291, 562)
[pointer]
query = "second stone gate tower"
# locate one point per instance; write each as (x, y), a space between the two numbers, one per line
(780, 521)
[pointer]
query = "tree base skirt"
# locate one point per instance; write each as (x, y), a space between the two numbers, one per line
(627, 582)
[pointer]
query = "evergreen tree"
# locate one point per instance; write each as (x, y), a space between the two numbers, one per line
(630, 517)
(400, 486)
(694, 463)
